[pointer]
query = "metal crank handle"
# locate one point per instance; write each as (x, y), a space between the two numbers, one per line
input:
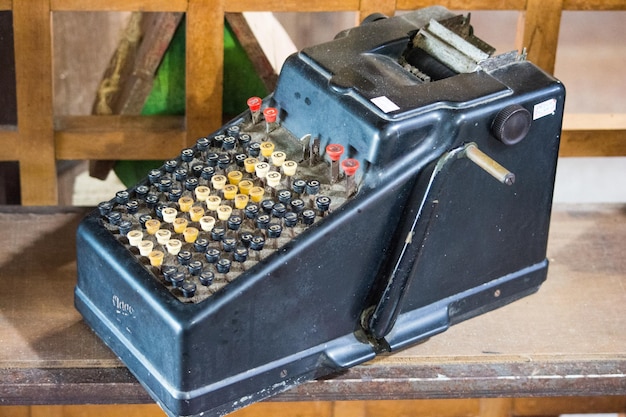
(491, 166)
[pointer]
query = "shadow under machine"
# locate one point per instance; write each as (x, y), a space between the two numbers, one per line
(397, 181)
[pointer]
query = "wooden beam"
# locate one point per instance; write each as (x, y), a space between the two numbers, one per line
(509, 4)
(593, 135)
(593, 143)
(463, 4)
(6, 4)
(129, 78)
(528, 407)
(161, 137)
(10, 145)
(402, 407)
(290, 5)
(298, 408)
(262, 66)
(95, 410)
(538, 32)
(314, 6)
(119, 5)
(204, 67)
(119, 137)
(496, 407)
(594, 5)
(33, 76)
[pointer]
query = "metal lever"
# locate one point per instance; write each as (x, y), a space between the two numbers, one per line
(379, 319)
(492, 167)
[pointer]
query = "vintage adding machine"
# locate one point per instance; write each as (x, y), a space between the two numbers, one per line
(399, 180)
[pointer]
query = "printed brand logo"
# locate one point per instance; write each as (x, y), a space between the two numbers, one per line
(122, 307)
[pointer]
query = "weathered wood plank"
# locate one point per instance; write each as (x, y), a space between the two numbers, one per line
(9, 145)
(160, 137)
(119, 137)
(463, 4)
(594, 5)
(290, 5)
(538, 32)
(532, 407)
(204, 67)
(33, 44)
(119, 5)
(593, 143)
(495, 407)
(413, 408)
(249, 43)
(500, 407)
(129, 78)
(311, 6)
(593, 135)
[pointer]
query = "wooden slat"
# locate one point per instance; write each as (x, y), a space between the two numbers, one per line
(154, 143)
(594, 5)
(299, 409)
(6, 4)
(143, 410)
(9, 145)
(403, 408)
(593, 143)
(204, 67)
(499, 407)
(162, 137)
(141, 62)
(495, 407)
(538, 32)
(119, 137)
(262, 66)
(311, 6)
(119, 5)
(593, 135)
(129, 78)
(290, 5)
(463, 4)
(15, 411)
(33, 74)
(531, 407)
(295, 409)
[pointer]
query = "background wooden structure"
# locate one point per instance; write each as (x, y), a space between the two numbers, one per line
(41, 139)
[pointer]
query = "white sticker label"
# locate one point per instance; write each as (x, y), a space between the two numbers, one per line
(385, 104)
(544, 108)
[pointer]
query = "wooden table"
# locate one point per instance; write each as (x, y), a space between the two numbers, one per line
(569, 339)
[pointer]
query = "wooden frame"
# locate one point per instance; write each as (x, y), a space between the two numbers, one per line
(40, 140)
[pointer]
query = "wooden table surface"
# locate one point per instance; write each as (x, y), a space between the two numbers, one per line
(568, 339)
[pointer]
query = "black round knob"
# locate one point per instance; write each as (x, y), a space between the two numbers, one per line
(511, 124)
(188, 289)
(206, 278)
(374, 17)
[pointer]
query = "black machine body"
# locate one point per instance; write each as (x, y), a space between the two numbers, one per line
(437, 210)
